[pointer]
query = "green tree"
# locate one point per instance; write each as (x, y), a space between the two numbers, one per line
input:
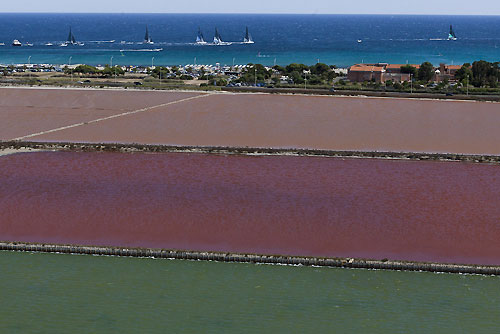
(249, 74)
(296, 68)
(397, 86)
(85, 69)
(426, 72)
(485, 73)
(481, 71)
(112, 71)
(297, 77)
(464, 72)
(315, 80)
(160, 70)
(320, 69)
(278, 68)
(410, 70)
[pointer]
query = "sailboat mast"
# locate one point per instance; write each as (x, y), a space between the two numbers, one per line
(200, 35)
(216, 37)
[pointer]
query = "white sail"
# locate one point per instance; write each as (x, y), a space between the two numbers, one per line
(451, 35)
(200, 39)
(147, 37)
(248, 38)
(218, 39)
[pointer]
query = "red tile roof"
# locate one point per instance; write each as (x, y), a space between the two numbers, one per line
(366, 68)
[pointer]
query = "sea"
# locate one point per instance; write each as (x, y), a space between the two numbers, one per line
(55, 293)
(340, 40)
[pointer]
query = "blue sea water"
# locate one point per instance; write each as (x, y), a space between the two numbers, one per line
(280, 39)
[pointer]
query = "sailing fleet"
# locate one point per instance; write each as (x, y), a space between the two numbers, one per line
(200, 40)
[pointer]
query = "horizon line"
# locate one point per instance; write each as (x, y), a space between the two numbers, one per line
(238, 13)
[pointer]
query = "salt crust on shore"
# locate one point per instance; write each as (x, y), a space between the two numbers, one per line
(14, 151)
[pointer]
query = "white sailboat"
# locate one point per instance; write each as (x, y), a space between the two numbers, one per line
(147, 38)
(451, 35)
(71, 40)
(218, 39)
(200, 40)
(248, 38)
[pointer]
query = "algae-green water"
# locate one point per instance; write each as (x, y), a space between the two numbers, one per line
(54, 293)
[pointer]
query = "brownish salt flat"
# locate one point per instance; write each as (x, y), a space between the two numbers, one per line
(406, 210)
(321, 122)
(27, 111)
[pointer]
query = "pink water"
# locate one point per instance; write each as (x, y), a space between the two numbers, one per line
(425, 211)
(321, 122)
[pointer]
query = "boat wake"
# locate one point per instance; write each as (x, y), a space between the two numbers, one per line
(142, 50)
(101, 42)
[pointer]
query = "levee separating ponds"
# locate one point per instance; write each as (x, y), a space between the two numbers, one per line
(147, 148)
(370, 93)
(239, 257)
(252, 258)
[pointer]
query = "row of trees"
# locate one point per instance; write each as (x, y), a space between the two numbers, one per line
(161, 72)
(317, 74)
(480, 74)
(91, 70)
(424, 73)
